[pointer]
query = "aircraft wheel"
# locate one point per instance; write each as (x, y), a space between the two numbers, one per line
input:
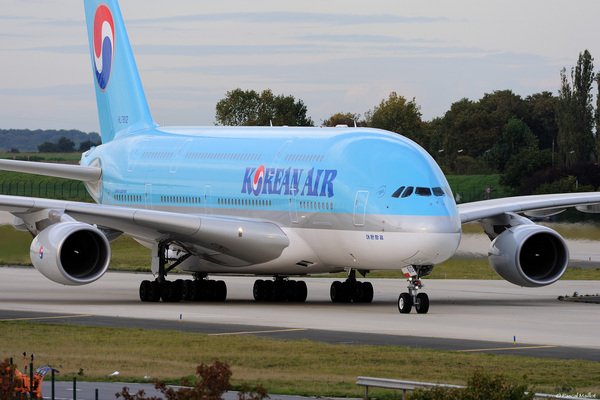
(220, 291)
(422, 304)
(170, 292)
(145, 290)
(187, 291)
(367, 292)
(404, 303)
(154, 291)
(258, 290)
(301, 292)
(335, 292)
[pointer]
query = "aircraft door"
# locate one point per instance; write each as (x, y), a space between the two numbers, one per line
(180, 155)
(360, 207)
(207, 200)
(293, 205)
(148, 196)
(136, 154)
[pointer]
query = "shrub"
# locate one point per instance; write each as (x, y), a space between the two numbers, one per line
(213, 383)
(481, 386)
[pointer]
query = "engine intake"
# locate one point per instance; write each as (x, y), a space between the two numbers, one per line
(529, 255)
(71, 253)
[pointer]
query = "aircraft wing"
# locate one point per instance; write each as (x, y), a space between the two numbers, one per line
(535, 206)
(226, 240)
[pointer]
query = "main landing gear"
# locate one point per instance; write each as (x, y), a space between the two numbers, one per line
(419, 300)
(351, 290)
(199, 289)
(280, 289)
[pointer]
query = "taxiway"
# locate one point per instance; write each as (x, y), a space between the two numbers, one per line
(465, 315)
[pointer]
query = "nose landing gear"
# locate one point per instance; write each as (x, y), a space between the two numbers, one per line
(420, 301)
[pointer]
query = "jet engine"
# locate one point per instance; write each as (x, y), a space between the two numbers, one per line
(71, 253)
(529, 255)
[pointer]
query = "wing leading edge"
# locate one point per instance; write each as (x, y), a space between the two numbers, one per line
(228, 241)
(537, 205)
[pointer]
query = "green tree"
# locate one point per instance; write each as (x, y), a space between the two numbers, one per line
(344, 119)
(48, 147)
(462, 129)
(597, 115)
(85, 146)
(65, 145)
(396, 114)
(541, 118)
(575, 112)
(522, 164)
(515, 137)
(249, 108)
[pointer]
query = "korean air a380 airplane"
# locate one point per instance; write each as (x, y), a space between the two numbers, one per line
(279, 202)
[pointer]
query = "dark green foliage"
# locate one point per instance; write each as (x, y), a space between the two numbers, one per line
(524, 164)
(396, 114)
(541, 118)
(212, 384)
(85, 146)
(27, 140)
(344, 119)
(563, 179)
(575, 112)
(481, 386)
(63, 145)
(248, 108)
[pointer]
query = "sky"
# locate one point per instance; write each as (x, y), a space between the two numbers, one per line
(336, 56)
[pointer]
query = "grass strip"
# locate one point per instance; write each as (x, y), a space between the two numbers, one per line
(282, 366)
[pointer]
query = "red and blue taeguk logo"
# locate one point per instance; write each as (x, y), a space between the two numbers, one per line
(259, 178)
(104, 45)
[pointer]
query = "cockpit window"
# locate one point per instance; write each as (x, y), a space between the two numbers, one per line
(404, 191)
(423, 191)
(398, 192)
(438, 191)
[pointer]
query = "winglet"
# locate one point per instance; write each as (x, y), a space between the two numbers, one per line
(122, 105)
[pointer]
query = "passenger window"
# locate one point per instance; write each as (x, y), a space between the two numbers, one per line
(407, 192)
(438, 191)
(423, 191)
(398, 192)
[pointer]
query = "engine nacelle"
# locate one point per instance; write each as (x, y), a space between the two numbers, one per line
(529, 255)
(71, 253)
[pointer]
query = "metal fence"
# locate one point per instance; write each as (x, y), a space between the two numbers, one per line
(64, 190)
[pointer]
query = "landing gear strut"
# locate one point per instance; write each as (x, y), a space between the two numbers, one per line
(280, 289)
(161, 289)
(351, 290)
(419, 300)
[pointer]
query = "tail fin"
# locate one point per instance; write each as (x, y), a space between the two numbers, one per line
(122, 106)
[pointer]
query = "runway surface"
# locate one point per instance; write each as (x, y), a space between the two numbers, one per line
(465, 315)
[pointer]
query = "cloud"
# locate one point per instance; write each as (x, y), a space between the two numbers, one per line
(291, 17)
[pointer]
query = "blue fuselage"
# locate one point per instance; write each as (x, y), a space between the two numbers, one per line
(365, 197)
